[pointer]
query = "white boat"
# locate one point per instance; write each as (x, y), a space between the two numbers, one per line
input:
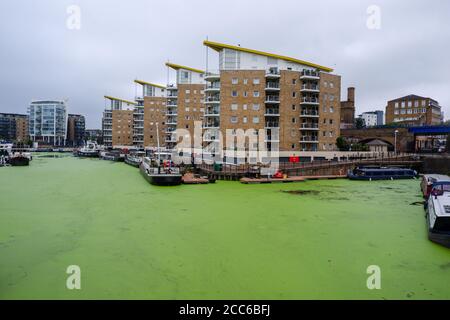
(438, 213)
(90, 150)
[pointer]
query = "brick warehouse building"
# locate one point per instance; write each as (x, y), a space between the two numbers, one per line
(414, 110)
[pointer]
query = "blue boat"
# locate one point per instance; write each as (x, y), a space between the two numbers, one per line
(370, 174)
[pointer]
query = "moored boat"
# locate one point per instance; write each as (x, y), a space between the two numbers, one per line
(19, 160)
(134, 159)
(373, 173)
(428, 180)
(438, 213)
(90, 150)
(160, 176)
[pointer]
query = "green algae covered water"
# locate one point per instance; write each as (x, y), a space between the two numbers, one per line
(223, 241)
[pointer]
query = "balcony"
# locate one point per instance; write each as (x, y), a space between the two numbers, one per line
(211, 124)
(172, 103)
(272, 113)
(215, 112)
(171, 122)
(272, 124)
(171, 113)
(310, 88)
(309, 126)
(273, 73)
(214, 87)
(272, 86)
(212, 99)
(309, 114)
(212, 76)
(309, 139)
(273, 99)
(310, 100)
(310, 74)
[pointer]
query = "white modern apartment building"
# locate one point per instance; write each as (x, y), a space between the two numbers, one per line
(48, 122)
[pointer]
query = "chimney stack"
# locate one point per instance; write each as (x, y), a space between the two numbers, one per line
(351, 94)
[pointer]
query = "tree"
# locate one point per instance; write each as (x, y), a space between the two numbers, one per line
(342, 144)
(360, 123)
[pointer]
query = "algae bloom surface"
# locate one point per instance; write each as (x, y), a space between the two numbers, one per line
(311, 240)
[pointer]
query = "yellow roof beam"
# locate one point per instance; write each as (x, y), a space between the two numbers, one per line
(178, 67)
(220, 46)
(149, 84)
(122, 100)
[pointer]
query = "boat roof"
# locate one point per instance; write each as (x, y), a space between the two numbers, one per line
(436, 177)
(383, 169)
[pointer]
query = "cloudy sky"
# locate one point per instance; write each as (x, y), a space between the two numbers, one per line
(119, 41)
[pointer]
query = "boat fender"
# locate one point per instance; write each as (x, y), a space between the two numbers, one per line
(370, 179)
(392, 178)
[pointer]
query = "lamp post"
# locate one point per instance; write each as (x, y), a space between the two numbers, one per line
(395, 141)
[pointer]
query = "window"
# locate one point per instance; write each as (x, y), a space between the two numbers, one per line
(325, 84)
(324, 109)
(396, 112)
(331, 109)
(410, 104)
(331, 97)
(294, 94)
(244, 107)
(187, 100)
(331, 121)
(324, 121)
(255, 94)
(424, 103)
(331, 84)
(403, 104)
(396, 105)
(245, 81)
(416, 103)
(234, 107)
(292, 146)
(233, 119)
(255, 119)
(294, 81)
(256, 81)
(188, 91)
(255, 107)
(331, 134)
(294, 107)
(409, 111)
(234, 81)
(403, 112)
(294, 120)
(187, 109)
(244, 119)
(245, 94)
(234, 93)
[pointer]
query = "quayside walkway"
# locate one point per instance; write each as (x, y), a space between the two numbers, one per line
(305, 170)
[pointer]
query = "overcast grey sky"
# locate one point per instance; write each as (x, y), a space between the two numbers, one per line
(119, 41)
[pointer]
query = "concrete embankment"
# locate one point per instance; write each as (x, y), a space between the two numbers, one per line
(436, 164)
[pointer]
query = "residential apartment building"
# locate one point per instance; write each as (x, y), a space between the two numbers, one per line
(373, 118)
(14, 127)
(117, 122)
(48, 122)
(76, 125)
(185, 104)
(295, 103)
(348, 110)
(414, 110)
(150, 115)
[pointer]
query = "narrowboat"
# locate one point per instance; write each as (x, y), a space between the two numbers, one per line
(166, 175)
(372, 173)
(438, 213)
(428, 180)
